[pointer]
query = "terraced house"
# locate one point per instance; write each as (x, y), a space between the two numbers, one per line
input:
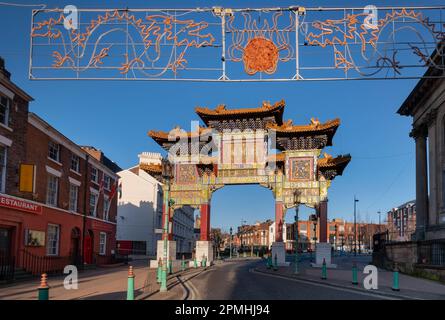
(58, 200)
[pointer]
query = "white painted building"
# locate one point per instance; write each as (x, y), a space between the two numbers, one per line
(140, 212)
(272, 234)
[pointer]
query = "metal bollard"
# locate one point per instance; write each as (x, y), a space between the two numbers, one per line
(324, 270)
(43, 290)
(395, 279)
(130, 287)
(195, 263)
(354, 273)
(183, 264)
(269, 262)
(170, 266)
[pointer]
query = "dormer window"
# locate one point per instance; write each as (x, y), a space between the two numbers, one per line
(5, 105)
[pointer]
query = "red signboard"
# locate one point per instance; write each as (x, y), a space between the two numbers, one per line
(19, 204)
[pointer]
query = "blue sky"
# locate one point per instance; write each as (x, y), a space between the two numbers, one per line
(115, 117)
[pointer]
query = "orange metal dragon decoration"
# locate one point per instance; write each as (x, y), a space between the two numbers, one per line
(213, 44)
(152, 30)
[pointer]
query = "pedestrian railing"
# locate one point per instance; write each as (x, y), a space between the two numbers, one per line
(36, 265)
(431, 252)
(7, 267)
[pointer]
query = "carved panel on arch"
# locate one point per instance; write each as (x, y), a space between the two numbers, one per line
(301, 168)
(186, 174)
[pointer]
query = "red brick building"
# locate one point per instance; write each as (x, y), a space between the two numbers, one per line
(58, 200)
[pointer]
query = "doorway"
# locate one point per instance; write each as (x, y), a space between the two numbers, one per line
(75, 246)
(5, 242)
(88, 248)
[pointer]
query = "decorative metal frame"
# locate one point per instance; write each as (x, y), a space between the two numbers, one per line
(223, 44)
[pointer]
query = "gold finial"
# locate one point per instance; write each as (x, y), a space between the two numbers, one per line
(220, 107)
(43, 281)
(315, 121)
(266, 104)
(288, 123)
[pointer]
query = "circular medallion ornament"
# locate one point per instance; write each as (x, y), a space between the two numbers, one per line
(260, 55)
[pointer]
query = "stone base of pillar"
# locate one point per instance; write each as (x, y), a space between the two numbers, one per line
(279, 250)
(323, 251)
(204, 249)
(171, 253)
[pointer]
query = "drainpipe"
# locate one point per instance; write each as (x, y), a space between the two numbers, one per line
(84, 210)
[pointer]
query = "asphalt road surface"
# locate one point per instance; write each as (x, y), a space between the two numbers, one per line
(238, 281)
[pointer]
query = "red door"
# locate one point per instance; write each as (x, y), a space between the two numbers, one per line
(88, 249)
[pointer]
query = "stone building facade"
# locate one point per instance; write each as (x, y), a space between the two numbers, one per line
(426, 105)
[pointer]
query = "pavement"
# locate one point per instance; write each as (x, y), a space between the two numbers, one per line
(108, 283)
(237, 279)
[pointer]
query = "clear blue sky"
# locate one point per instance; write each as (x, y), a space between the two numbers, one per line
(115, 117)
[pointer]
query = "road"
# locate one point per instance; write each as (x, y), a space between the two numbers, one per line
(238, 281)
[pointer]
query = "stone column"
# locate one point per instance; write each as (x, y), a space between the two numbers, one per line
(420, 136)
(433, 205)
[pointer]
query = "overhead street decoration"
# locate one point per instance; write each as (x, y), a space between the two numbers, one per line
(223, 44)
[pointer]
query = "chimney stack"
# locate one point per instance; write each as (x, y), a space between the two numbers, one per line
(3, 72)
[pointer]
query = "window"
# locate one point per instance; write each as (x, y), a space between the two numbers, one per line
(74, 193)
(102, 243)
(54, 151)
(94, 175)
(107, 182)
(75, 163)
(106, 208)
(2, 168)
(93, 204)
(5, 104)
(51, 191)
(52, 247)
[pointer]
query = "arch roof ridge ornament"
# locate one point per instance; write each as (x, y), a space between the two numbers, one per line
(314, 125)
(221, 109)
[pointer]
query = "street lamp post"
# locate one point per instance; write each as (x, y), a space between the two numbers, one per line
(355, 226)
(166, 174)
(296, 240)
(380, 223)
(230, 242)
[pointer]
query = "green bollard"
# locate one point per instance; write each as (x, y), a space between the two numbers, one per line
(195, 263)
(170, 267)
(275, 266)
(324, 270)
(354, 273)
(130, 287)
(268, 262)
(395, 279)
(159, 275)
(43, 290)
(183, 264)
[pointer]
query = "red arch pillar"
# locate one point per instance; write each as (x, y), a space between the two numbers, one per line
(168, 216)
(205, 222)
(279, 221)
(322, 212)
